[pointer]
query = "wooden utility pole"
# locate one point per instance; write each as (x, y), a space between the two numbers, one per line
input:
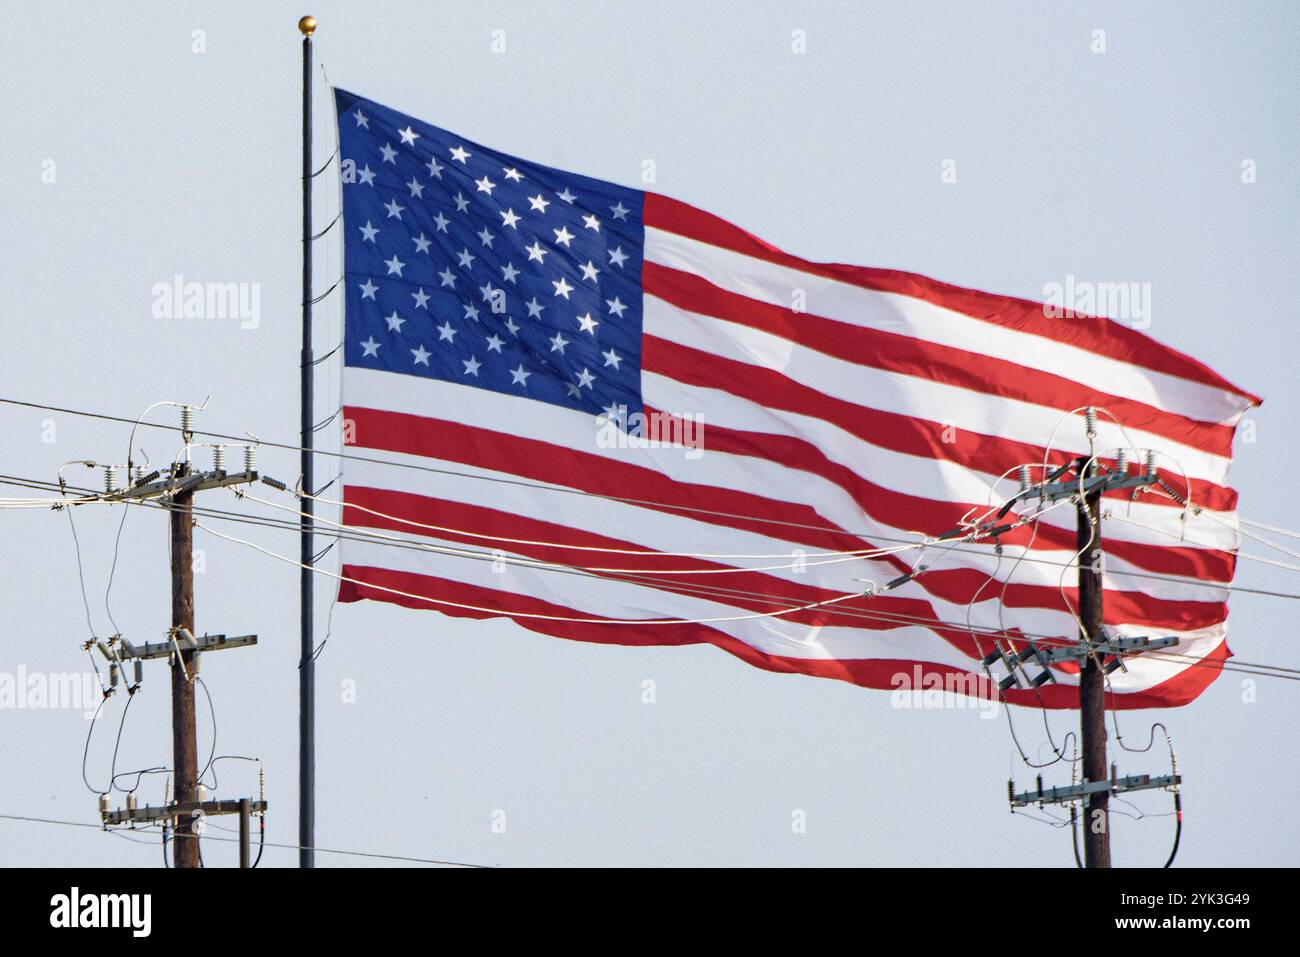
(245, 808)
(182, 648)
(185, 762)
(1096, 653)
(1092, 681)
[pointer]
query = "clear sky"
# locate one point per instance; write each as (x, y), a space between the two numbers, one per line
(1122, 165)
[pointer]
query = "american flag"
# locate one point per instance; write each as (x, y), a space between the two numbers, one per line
(616, 418)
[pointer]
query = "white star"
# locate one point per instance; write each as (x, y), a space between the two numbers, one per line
(586, 378)
(394, 321)
(519, 375)
(421, 297)
(558, 343)
(368, 232)
(563, 236)
(370, 348)
(592, 223)
(566, 195)
(448, 278)
(367, 175)
(539, 202)
(442, 222)
(465, 257)
(535, 251)
(588, 324)
(486, 291)
(471, 366)
(408, 135)
(612, 358)
(485, 237)
(589, 271)
(620, 211)
(471, 311)
(460, 154)
(390, 154)
(368, 290)
(512, 325)
(512, 173)
(421, 356)
(509, 272)
(435, 168)
(462, 204)
(534, 308)
(394, 209)
(573, 390)
(494, 343)
(362, 119)
(445, 332)
(485, 185)
(509, 218)
(562, 288)
(617, 257)
(422, 244)
(394, 265)
(416, 188)
(616, 306)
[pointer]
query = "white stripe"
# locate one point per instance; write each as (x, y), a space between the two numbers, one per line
(605, 598)
(772, 283)
(912, 396)
(663, 532)
(566, 428)
(667, 532)
(936, 479)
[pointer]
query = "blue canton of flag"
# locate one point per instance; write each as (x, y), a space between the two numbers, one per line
(472, 266)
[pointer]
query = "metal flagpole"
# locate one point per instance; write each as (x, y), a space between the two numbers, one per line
(307, 665)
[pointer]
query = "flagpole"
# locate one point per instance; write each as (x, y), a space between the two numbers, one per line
(307, 664)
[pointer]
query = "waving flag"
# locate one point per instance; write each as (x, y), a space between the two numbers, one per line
(615, 418)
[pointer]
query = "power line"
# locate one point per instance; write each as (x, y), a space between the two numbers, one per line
(1186, 660)
(724, 593)
(524, 483)
(42, 485)
(289, 847)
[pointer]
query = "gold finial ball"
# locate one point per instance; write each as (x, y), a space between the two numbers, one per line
(307, 25)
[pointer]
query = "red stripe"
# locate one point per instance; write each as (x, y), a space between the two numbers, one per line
(768, 388)
(768, 590)
(540, 461)
(895, 352)
(545, 462)
(866, 672)
(935, 516)
(958, 586)
(1098, 335)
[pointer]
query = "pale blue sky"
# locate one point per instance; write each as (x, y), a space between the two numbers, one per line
(1117, 166)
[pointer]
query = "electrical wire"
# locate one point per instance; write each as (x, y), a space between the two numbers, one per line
(1178, 579)
(532, 615)
(212, 711)
(118, 743)
(108, 590)
(31, 819)
(539, 486)
(81, 576)
(85, 752)
(846, 610)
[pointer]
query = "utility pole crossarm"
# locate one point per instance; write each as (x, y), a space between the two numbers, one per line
(153, 814)
(164, 649)
(1078, 792)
